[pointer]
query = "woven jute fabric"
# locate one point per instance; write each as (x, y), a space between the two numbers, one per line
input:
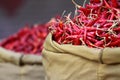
(71, 62)
(17, 66)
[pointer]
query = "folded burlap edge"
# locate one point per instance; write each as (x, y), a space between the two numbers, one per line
(104, 55)
(18, 58)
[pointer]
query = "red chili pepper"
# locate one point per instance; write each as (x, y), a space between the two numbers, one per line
(106, 4)
(107, 25)
(89, 44)
(72, 36)
(116, 29)
(114, 3)
(94, 1)
(26, 40)
(59, 34)
(76, 28)
(92, 22)
(115, 43)
(85, 34)
(85, 11)
(92, 39)
(112, 16)
(94, 26)
(91, 34)
(76, 41)
(97, 5)
(100, 43)
(61, 25)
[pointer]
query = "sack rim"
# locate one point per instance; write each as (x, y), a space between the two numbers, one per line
(105, 56)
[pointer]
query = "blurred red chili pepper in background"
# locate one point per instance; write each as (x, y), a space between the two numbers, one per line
(28, 40)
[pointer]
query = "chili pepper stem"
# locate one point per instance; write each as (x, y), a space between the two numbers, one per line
(73, 1)
(84, 3)
(83, 43)
(63, 14)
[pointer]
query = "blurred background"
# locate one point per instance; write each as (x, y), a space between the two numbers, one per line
(14, 14)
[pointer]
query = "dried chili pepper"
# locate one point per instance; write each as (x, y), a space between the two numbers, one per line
(96, 25)
(28, 40)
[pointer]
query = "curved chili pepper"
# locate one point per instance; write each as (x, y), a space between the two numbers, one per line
(114, 3)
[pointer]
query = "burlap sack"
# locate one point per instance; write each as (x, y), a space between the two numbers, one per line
(15, 66)
(69, 62)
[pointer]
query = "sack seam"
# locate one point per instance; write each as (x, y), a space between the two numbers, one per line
(100, 56)
(101, 62)
(20, 60)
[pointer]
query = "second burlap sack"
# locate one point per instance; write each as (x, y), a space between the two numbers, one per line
(17, 66)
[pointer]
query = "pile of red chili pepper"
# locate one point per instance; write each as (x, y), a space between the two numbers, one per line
(96, 25)
(28, 40)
